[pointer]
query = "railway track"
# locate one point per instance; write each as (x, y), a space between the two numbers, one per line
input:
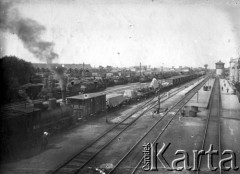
(74, 164)
(213, 125)
(80, 160)
(129, 159)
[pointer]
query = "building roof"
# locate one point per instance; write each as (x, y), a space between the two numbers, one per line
(112, 95)
(234, 60)
(220, 63)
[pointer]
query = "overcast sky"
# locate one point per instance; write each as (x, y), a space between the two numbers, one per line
(126, 32)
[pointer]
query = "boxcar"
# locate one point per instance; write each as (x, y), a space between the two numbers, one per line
(88, 104)
(176, 80)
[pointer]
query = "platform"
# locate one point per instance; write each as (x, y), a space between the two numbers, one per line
(201, 99)
(228, 99)
(187, 89)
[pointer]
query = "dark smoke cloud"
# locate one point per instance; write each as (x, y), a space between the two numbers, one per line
(3, 16)
(28, 31)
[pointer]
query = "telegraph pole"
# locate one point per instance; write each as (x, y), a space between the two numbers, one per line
(140, 69)
(158, 93)
(197, 97)
(83, 75)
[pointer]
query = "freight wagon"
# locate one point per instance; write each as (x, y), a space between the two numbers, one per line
(146, 92)
(85, 105)
(114, 100)
(176, 80)
(130, 95)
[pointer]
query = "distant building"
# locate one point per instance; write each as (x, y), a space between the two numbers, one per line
(109, 74)
(183, 70)
(68, 66)
(219, 68)
(234, 70)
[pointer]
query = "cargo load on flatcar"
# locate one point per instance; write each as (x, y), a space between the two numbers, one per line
(154, 84)
(114, 100)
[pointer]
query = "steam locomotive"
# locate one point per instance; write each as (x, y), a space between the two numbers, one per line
(24, 124)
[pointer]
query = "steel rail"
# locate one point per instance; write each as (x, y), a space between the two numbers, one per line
(152, 104)
(207, 125)
(105, 133)
(108, 131)
(219, 130)
(195, 89)
(140, 161)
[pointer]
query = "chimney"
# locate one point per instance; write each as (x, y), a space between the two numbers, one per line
(52, 103)
(63, 95)
(63, 89)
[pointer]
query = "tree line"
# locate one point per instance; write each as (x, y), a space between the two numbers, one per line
(14, 73)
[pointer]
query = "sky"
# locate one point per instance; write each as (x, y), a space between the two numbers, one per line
(122, 33)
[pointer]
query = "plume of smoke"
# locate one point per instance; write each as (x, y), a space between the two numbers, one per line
(59, 71)
(29, 32)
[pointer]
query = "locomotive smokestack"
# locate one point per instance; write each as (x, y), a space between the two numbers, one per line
(59, 71)
(63, 95)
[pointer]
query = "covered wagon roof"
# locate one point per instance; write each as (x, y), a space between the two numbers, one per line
(112, 95)
(86, 96)
(220, 63)
(176, 77)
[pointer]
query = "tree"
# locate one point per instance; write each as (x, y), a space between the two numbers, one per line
(14, 73)
(43, 70)
(69, 71)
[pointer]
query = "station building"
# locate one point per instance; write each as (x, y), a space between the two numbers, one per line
(234, 70)
(220, 68)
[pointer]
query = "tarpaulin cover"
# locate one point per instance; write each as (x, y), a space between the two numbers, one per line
(114, 99)
(154, 83)
(165, 84)
(129, 93)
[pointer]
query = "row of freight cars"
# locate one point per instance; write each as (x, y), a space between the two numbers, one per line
(51, 87)
(88, 104)
(26, 123)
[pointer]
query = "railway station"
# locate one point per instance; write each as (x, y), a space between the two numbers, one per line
(107, 130)
(92, 87)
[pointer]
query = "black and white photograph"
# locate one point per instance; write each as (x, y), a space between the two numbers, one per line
(120, 86)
